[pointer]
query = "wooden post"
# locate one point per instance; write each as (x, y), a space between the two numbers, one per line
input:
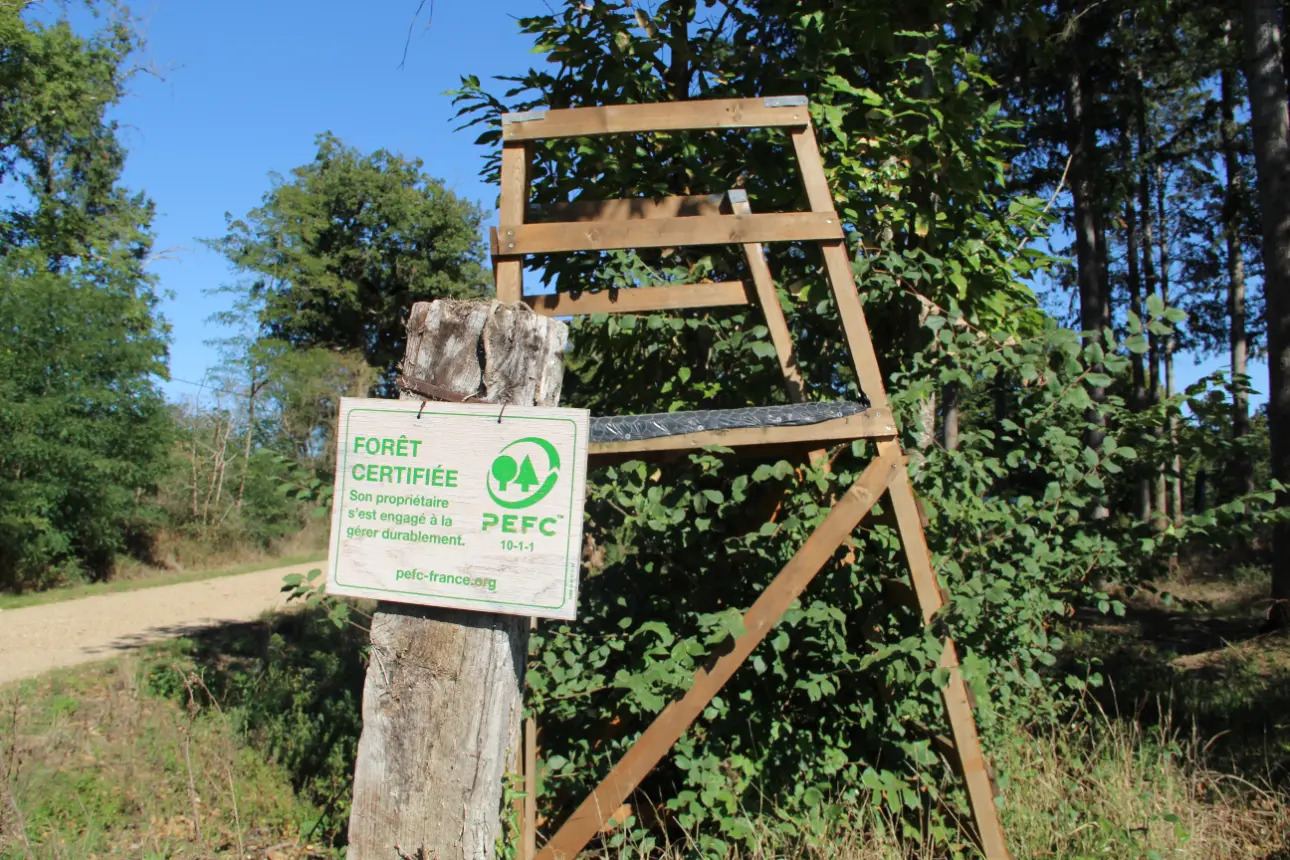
(443, 699)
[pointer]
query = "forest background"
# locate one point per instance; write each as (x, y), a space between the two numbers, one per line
(1050, 205)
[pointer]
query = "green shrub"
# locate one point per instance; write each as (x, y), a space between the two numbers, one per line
(292, 685)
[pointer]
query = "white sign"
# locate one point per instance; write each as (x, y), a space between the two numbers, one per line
(472, 506)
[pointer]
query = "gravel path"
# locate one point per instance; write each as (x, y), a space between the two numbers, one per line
(35, 639)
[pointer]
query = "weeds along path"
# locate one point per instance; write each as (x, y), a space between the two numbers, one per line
(35, 639)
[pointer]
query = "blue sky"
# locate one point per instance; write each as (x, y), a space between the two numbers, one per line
(241, 89)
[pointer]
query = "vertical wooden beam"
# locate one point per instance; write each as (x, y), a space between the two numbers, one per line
(528, 812)
(528, 825)
(954, 694)
(759, 620)
(976, 773)
(837, 267)
(764, 283)
(442, 699)
(508, 272)
(918, 557)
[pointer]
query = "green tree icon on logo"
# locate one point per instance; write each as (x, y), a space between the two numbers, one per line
(527, 478)
(504, 470)
(513, 481)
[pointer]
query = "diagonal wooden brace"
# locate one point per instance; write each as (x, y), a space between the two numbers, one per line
(669, 725)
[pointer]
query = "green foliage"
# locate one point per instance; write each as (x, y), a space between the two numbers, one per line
(1206, 439)
(333, 259)
(300, 398)
(247, 468)
(84, 426)
(293, 687)
(95, 767)
(55, 141)
(839, 704)
(336, 254)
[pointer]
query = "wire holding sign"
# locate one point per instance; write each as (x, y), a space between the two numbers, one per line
(453, 509)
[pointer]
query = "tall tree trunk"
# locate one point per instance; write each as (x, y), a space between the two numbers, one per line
(1171, 341)
(1237, 338)
(926, 405)
(926, 427)
(1000, 399)
(221, 462)
(950, 416)
(1138, 401)
(1079, 103)
(1106, 310)
(246, 446)
(679, 45)
(1265, 73)
(216, 447)
(1158, 502)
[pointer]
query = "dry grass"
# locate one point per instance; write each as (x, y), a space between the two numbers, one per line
(1185, 753)
(186, 560)
(93, 767)
(180, 552)
(154, 579)
(1104, 787)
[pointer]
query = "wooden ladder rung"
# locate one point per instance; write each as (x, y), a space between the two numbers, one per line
(666, 116)
(519, 239)
(634, 300)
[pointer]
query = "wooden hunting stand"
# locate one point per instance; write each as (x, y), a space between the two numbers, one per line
(722, 220)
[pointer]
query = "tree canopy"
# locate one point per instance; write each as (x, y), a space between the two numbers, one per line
(336, 254)
(81, 344)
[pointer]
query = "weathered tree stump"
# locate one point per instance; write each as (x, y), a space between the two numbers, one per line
(443, 699)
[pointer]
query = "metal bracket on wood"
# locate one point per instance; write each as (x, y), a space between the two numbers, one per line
(524, 116)
(784, 101)
(434, 392)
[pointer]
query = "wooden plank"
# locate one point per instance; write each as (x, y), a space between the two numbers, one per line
(709, 294)
(768, 298)
(976, 772)
(837, 268)
(930, 598)
(528, 824)
(854, 325)
(664, 233)
(872, 423)
(697, 114)
(807, 150)
(508, 275)
(764, 614)
(917, 556)
(628, 208)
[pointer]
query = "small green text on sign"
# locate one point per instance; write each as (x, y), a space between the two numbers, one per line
(471, 506)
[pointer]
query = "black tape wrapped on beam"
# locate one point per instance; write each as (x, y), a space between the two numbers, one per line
(624, 428)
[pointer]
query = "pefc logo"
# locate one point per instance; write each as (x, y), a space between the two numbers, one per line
(523, 473)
